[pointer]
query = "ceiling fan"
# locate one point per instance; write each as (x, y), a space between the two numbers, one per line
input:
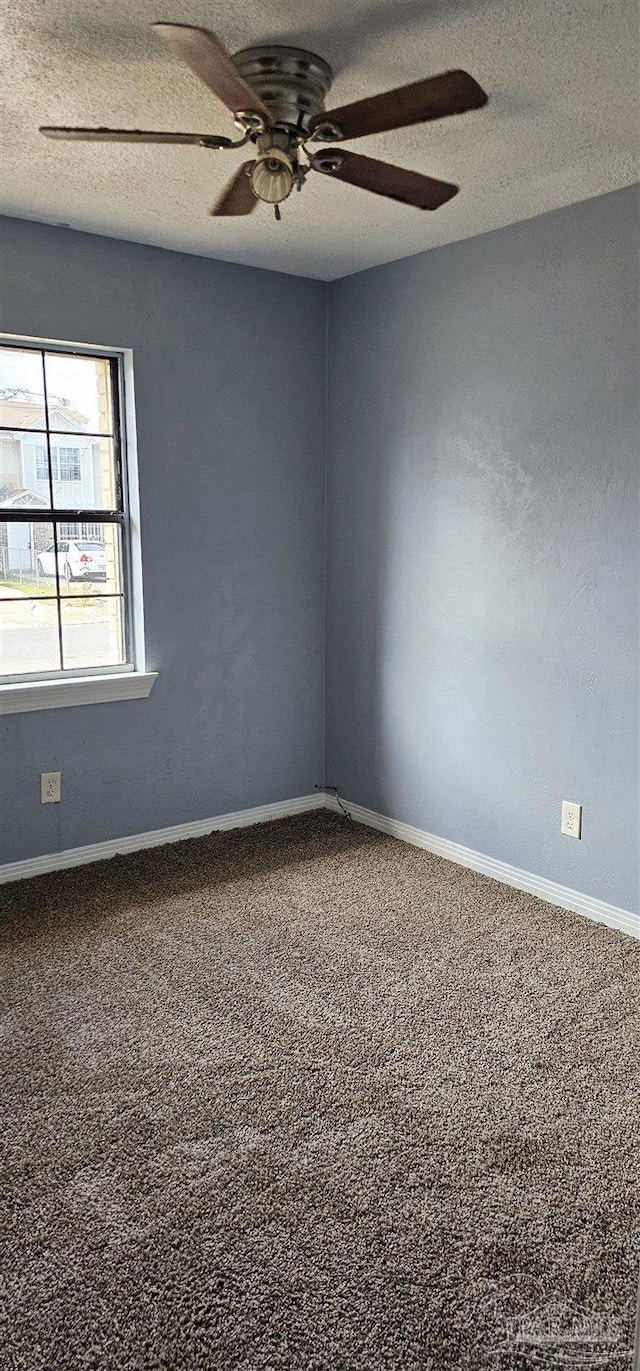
(276, 95)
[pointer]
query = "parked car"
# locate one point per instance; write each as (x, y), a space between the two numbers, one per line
(76, 561)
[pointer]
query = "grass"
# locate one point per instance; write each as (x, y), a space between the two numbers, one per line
(30, 588)
(47, 588)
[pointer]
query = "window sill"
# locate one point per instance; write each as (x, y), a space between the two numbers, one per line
(77, 690)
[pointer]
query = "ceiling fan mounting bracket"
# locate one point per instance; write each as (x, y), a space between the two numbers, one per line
(248, 122)
(327, 161)
(327, 133)
(219, 144)
(291, 82)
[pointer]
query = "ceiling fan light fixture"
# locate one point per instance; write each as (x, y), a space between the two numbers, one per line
(272, 176)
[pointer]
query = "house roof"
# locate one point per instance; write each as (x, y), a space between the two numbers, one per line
(22, 497)
(30, 413)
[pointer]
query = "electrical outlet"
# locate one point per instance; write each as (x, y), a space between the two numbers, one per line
(50, 788)
(571, 824)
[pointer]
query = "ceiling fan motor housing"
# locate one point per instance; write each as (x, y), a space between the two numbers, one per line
(292, 82)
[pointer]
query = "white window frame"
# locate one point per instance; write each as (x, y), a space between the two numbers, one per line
(133, 680)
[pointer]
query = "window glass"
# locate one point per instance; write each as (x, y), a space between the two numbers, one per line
(21, 389)
(79, 391)
(93, 566)
(29, 636)
(21, 409)
(89, 465)
(92, 631)
(26, 559)
(63, 585)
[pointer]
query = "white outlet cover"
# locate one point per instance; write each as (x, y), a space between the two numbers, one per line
(571, 824)
(49, 787)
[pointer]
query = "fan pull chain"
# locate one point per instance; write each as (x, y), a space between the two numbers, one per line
(278, 214)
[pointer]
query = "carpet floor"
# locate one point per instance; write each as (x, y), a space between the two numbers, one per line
(304, 1098)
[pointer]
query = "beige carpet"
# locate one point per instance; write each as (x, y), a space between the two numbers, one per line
(304, 1097)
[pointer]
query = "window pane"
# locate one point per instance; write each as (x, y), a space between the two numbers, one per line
(92, 559)
(62, 583)
(27, 560)
(79, 392)
(92, 631)
(29, 639)
(21, 407)
(83, 472)
(21, 388)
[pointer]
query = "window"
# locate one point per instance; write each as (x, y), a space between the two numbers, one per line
(65, 464)
(42, 465)
(66, 561)
(68, 460)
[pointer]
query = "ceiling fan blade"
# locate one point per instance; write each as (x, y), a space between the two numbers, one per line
(237, 197)
(134, 136)
(206, 56)
(384, 179)
(453, 92)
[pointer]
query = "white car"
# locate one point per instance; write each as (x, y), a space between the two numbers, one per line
(76, 561)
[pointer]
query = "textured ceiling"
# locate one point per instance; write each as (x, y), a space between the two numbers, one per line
(561, 126)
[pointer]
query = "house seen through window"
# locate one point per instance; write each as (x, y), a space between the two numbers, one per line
(64, 533)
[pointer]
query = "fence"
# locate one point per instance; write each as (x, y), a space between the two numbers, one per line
(18, 563)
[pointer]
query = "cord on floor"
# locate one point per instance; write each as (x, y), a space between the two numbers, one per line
(333, 790)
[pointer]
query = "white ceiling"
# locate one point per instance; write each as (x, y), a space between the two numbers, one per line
(561, 126)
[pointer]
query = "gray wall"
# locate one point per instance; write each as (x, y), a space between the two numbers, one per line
(482, 542)
(229, 364)
(482, 645)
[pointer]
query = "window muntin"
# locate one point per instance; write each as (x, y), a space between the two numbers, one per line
(63, 519)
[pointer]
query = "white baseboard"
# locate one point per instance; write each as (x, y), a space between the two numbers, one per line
(555, 894)
(96, 852)
(465, 856)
